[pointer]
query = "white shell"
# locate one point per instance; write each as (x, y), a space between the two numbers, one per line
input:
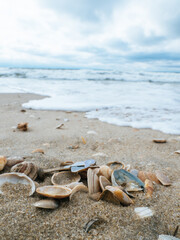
(16, 178)
(46, 203)
(143, 212)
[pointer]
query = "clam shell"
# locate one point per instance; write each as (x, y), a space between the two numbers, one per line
(134, 172)
(122, 177)
(47, 204)
(162, 178)
(149, 187)
(78, 188)
(159, 140)
(105, 171)
(11, 161)
(132, 187)
(55, 191)
(28, 168)
(116, 195)
(16, 178)
(65, 178)
(143, 175)
(93, 181)
(115, 165)
(3, 162)
(82, 166)
(104, 182)
(143, 212)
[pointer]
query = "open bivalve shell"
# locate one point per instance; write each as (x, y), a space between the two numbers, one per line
(93, 181)
(16, 178)
(122, 177)
(47, 204)
(3, 162)
(104, 182)
(115, 195)
(55, 191)
(65, 178)
(28, 168)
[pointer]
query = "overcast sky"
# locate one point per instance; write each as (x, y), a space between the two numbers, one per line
(90, 33)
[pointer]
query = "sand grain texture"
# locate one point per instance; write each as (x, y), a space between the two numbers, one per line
(19, 219)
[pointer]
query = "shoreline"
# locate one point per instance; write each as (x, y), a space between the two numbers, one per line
(104, 142)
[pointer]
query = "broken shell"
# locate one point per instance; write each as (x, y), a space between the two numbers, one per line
(149, 187)
(11, 161)
(82, 166)
(3, 162)
(143, 175)
(55, 191)
(105, 171)
(67, 163)
(38, 151)
(132, 187)
(78, 188)
(159, 140)
(93, 181)
(22, 126)
(115, 165)
(164, 180)
(65, 178)
(122, 177)
(116, 195)
(143, 212)
(16, 178)
(134, 172)
(47, 204)
(104, 182)
(28, 168)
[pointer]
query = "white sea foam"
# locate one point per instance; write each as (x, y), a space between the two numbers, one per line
(141, 100)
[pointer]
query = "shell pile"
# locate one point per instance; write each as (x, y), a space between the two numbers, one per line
(112, 182)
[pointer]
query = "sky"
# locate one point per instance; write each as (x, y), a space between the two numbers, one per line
(104, 34)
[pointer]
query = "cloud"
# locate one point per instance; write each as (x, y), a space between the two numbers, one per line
(103, 34)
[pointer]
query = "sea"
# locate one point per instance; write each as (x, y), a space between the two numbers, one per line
(140, 99)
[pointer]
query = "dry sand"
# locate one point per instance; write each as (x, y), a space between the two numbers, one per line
(20, 220)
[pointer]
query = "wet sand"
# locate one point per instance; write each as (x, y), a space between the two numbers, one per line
(104, 142)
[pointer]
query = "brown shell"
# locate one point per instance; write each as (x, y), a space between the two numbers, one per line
(115, 165)
(116, 195)
(143, 175)
(149, 187)
(28, 168)
(104, 182)
(93, 181)
(105, 171)
(38, 150)
(11, 161)
(22, 126)
(3, 162)
(54, 191)
(164, 180)
(78, 188)
(65, 178)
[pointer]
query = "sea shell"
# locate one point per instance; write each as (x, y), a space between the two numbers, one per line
(105, 171)
(164, 180)
(133, 187)
(134, 172)
(116, 195)
(104, 182)
(93, 181)
(38, 150)
(28, 168)
(22, 126)
(47, 204)
(16, 178)
(149, 187)
(122, 177)
(65, 178)
(3, 162)
(115, 165)
(54, 191)
(127, 167)
(13, 160)
(159, 140)
(82, 166)
(78, 188)
(143, 212)
(67, 163)
(143, 175)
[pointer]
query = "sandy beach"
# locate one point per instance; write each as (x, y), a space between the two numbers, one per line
(19, 219)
